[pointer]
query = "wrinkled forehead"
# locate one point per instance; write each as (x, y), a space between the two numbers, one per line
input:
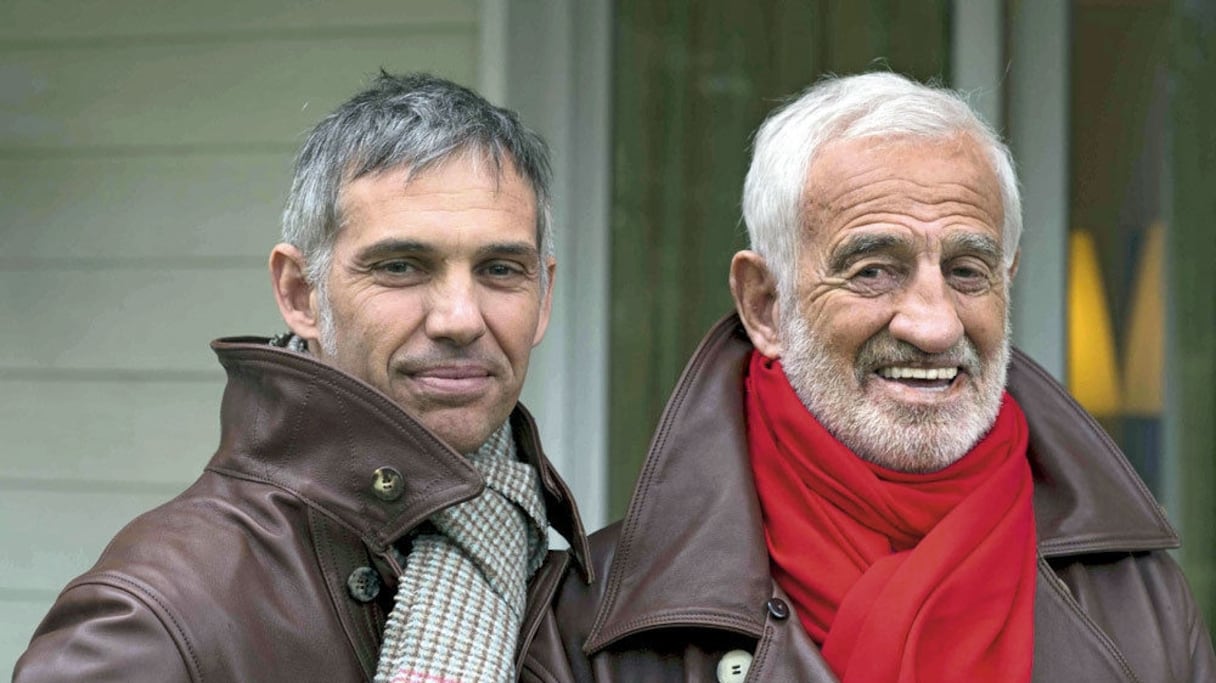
(926, 176)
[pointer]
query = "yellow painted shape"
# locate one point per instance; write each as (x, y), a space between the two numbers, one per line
(1093, 376)
(1144, 352)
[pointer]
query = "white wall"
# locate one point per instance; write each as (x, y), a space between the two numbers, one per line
(977, 60)
(145, 151)
(1038, 130)
(1026, 79)
(552, 65)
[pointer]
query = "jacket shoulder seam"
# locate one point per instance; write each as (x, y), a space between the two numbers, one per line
(155, 604)
(282, 486)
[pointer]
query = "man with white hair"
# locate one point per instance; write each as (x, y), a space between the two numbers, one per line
(855, 478)
(379, 503)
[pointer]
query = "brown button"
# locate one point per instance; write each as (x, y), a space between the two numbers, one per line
(363, 584)
(778, 608)
(387, 483)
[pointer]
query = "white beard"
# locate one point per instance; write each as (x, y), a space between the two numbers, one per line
(900, 437)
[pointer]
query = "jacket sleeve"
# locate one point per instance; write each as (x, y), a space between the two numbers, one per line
(1203, 656)
(1191, 634)
(103, 632)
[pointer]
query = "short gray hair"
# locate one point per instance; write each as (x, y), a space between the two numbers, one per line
(413, 121)
(843, 108)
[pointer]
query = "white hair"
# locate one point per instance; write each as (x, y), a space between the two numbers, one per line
(845, 108)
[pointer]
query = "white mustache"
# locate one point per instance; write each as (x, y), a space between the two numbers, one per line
(884, 350)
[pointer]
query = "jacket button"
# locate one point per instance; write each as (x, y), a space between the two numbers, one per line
(778, 608)
(733, 666)
(387, 484)
(363, 584)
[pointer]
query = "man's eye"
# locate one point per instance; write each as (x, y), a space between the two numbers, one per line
(875, 273)
(968, 276)
(875, 278)
(502, 270)
(397, 269)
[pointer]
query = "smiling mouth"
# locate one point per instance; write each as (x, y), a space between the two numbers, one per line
(451, 383)
(920, 378)
(453, 373)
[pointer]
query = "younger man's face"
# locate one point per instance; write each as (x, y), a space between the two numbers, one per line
(434, 294)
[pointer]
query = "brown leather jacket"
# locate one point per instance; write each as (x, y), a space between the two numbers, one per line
(685, 577)
(275, 564)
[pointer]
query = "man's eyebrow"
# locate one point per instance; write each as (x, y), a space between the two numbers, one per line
(394, 247)
(526, 249)
(861, 245)
(973, 243)
(400, 247)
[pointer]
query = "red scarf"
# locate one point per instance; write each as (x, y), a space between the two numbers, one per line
(915, 578)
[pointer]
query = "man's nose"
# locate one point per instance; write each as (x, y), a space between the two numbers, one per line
(927, 314)
(455, 314)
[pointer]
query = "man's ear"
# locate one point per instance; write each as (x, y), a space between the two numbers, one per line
(1013, 267)
(296, 298)
(754, 288)
(546, 303)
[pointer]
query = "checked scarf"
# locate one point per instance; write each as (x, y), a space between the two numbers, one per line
(461, 598)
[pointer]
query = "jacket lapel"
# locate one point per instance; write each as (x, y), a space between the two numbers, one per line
(689, 552)
(296, 422)
(1087, 497)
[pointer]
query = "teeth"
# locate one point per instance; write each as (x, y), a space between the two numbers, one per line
(918, 373)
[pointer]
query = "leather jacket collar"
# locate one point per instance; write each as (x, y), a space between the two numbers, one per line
(307, 427)
(692, 551)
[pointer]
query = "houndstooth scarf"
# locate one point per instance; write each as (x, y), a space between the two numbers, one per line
(461, 598)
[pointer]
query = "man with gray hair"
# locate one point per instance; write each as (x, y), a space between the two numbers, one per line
(379, 503)
(856, 479)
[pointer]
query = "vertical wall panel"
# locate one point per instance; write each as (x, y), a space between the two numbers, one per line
(1038, 135)
(145, 152)
(1191, 282)
(555, 73)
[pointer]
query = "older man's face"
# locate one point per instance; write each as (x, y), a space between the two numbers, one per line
(895, 334)
(434, 295)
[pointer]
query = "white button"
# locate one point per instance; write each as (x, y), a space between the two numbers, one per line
(734, 665)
